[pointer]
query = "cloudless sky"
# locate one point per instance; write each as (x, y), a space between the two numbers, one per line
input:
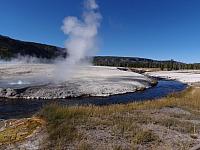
(158, 29)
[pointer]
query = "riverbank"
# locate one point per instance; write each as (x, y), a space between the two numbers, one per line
(169, 123)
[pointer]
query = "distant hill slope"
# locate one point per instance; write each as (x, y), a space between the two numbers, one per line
(136, 62)
(10, 48)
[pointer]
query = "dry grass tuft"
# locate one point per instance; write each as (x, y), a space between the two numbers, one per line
(145, 137)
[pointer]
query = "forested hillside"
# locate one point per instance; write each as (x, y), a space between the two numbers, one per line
(10, 48)
(142, 63)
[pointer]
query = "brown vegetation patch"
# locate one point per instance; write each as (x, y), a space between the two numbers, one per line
(18, 130)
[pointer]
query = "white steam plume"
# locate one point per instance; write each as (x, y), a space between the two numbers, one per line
(81, 41)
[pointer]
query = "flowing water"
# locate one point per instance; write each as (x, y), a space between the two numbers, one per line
(17, 108)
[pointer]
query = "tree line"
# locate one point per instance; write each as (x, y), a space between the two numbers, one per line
(142, 63)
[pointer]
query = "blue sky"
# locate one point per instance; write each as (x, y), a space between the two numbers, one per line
(158, 29)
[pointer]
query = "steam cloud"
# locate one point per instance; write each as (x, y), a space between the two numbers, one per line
(81, 42)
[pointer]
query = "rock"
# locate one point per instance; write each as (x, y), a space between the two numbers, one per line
(2, 92)
(10, 92)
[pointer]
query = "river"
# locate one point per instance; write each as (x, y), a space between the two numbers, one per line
(18, 108)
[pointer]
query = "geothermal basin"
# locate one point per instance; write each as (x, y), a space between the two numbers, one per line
(32, 86)
(32, 81)
(20, 108)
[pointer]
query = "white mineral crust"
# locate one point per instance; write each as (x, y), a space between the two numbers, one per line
(40, 81)
(185, 76)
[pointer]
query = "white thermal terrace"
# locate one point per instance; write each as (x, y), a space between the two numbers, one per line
(185, 76)
(40, 80)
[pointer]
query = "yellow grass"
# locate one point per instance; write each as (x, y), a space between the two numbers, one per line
(123, 120)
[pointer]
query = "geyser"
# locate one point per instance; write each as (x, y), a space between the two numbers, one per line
(19, 82)
(81, 42)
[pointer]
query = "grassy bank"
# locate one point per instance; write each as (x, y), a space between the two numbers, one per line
(169, 123)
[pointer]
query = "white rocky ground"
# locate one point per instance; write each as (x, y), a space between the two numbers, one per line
(185, 76)
(38, 80)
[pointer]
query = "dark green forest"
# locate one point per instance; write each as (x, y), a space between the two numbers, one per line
(135, 62)
(11, 48)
